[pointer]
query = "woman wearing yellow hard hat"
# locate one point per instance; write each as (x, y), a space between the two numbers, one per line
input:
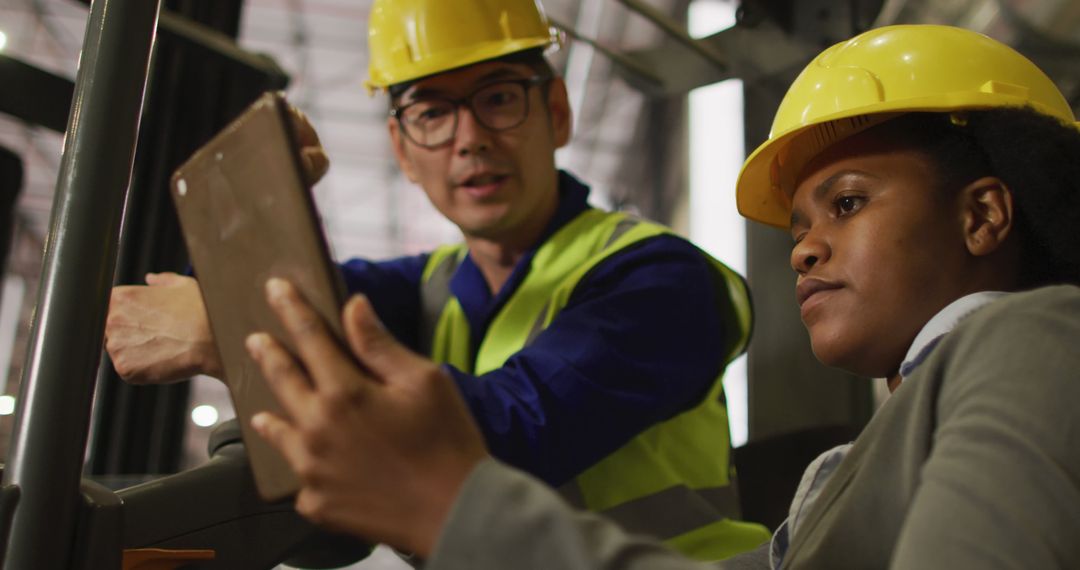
(929, 178)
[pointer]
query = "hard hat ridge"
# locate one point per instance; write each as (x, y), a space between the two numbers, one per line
(878, 75)
(410, 39)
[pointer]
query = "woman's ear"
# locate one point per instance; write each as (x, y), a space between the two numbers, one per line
(987, 206)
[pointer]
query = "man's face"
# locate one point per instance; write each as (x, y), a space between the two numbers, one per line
(879, 250)
(498, 186)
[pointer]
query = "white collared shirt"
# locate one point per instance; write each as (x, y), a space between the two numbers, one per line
(940, 324)
(821, 469)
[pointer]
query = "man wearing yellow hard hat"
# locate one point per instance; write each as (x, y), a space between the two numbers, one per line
(929, 178)
(589, 345)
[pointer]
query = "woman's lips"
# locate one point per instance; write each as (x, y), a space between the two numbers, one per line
(811, 292)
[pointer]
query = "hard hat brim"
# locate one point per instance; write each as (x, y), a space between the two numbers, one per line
(380, 80)
(763, 193)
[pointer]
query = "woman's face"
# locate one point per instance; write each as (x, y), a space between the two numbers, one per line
(879, 249)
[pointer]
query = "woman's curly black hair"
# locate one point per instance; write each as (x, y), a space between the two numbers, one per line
(1036, 156)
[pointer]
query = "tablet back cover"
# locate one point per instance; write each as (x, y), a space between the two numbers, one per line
(247, 215)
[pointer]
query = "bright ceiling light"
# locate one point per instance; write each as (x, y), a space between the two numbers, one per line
(3, 40)
(204, 416)
(7, 405)
(716, 155)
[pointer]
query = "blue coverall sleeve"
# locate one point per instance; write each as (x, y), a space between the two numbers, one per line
(393, 286)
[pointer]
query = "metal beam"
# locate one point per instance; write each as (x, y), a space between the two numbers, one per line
(639, 71)
(40, 97)
(758, 52)
(44, 98)
(49, 437)
(677, 32)
(214, 43)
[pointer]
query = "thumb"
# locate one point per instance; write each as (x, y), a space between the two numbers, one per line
(165, 279)
(315, 163)
(369, 340)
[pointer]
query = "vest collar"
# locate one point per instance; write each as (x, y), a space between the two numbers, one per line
(468, 284)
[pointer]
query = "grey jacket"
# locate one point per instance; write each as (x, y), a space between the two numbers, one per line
(973, 463)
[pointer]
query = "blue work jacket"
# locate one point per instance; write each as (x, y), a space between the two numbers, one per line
(637, 343)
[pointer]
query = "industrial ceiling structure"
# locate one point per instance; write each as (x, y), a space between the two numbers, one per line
(368, 208)
(371, 211)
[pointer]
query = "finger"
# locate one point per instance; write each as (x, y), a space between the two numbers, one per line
(312, 156)
(305, 132)
(117, 298)
(287, 380)
(370, 341)
(331, 369)
(126, 307)
(315, 163)
(282, 435)
(164, 279)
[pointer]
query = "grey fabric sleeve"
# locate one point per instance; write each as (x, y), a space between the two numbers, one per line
(504, 518)
(1001, 488)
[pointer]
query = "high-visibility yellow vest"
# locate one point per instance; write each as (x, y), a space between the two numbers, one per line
(673, 481)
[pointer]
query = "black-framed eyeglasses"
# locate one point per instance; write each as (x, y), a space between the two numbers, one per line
(431, 122)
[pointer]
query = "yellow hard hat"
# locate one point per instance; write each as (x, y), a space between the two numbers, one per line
(878, 75)
(410, 39)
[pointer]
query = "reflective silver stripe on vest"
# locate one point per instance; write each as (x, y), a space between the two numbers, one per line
(434, 295)
(669, 513)
(620, 228)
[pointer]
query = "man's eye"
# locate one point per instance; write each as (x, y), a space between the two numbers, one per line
(499, 98)
(427, 113)
(432, 113)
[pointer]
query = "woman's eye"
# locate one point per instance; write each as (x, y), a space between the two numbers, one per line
(848, 204)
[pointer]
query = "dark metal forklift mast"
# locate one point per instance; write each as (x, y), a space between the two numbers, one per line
(48, 442)
(199, 80)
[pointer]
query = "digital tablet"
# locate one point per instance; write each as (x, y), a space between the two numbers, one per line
(247, 215)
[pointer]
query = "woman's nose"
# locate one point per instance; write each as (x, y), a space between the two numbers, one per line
(811, 250)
